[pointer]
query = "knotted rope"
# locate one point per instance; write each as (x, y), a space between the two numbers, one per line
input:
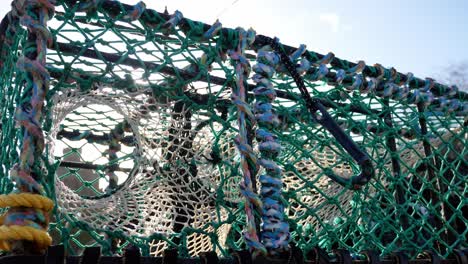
(246, 119)
(28, 216)
(275, 230)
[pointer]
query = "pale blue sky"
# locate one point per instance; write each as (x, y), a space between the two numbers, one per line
(411, 35)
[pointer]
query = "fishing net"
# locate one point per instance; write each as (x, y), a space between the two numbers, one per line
(141, 128)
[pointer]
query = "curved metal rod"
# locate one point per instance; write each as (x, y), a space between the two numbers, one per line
(321, 116)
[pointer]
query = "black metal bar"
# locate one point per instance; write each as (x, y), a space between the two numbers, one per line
(222, 104)
(180, 150)
(121, 27)
(113, 147)
(91, 137)
(396, 168)
(321, 116)
(192, 75)
(446, 212)
(89, 53)
(431, 171)
(89, 166)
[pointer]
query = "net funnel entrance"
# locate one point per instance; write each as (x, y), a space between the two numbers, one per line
(142, 125)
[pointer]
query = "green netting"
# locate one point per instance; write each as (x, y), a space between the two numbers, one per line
(140, 149)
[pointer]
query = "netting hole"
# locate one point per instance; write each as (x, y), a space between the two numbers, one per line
(96, 147)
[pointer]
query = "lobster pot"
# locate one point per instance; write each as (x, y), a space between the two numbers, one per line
(140, 132)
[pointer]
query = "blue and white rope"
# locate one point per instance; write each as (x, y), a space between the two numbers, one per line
(275, 230)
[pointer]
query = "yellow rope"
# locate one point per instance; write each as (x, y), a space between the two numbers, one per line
(15, 232)
(26, 200)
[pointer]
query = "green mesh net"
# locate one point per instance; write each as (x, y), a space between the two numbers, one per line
(140, 148)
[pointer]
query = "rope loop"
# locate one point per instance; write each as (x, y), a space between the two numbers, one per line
(174, 20)
(25, 224)
(213, 31)
(27, 218)
(136, 12)
(275, 230)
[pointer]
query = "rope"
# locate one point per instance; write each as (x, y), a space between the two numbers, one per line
(135, 13)
(275, 230)
(27, 219)
(26, 200)
(245, 120)
(14, 230)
